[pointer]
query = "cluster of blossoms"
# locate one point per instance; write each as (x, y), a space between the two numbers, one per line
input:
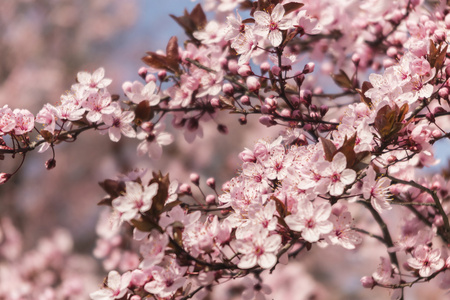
(295, 192)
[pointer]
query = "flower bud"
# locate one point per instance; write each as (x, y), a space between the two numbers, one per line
(215, 102)
(436, 133)
(4, 177)
(228, 89)
(253, 84)
(245, 100)
(245, 71)
(267, 120)
(233, 66)
(195, 178)
(126, 86)
(356, 58)
(143, 72)
(210, 199)
(309, 68)
(306, 95)
(185, 189)
(368, 282)
(162, 75)
(276, 70)
(265, 67)
(211, 182)
(323, 110)
(243, 120)
(247, 156)
(150, 77)
(50, 164)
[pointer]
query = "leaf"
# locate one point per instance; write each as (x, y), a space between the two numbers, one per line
(144, 226)
(365, 87)
(227, 102)
(172, 53)
(348, 149)
(160, 198)
(433, 54)
(342, 80)
(328, 148)
(291, 7)
(143, 112)
(191, 22)
(169, 62)
(281, 208)
(389, 121)
(440, 59)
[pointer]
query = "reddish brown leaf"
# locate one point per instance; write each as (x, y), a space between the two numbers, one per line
(342, 80)
(291, 7)
(328, 148)
(143, 112)
(365, 87)
(348, 149)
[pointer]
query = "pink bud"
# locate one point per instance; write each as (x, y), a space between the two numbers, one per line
(135, 297)
(195, 178)
(215, 102)
(286, 113)
(162, 75)
(228, 89)
(309, 68)
(245, 71)
(245, 100)
(392, 52)
(368, 282)
(211, 182)
(276, 70)
(306, 95)
(242, 120)
(356, 58)
(150, 77)
(4, 177)
(233, 66)
(436, 133)
(443, 92)
(267, 120)
(253, 84)
(265, 67)
(185, 189)
(247, 156)
(223, 62)
(210, 199)
(143, 72)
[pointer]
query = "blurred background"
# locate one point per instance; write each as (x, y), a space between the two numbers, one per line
(43, 44)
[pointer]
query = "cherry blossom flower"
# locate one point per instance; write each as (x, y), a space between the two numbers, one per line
(7, 120)
(98, 104)
(271, 25)
(153, 140)
(244, 45)
(342, 233)
(137, 199)
(426, 260)
(311, 221)
(211, 34)
(95, 80)
(260, 249)
(153, 250)
(255, 289)
(166, 279)
(376, 190)
(307, 24)
(337, 174)
(24, 121)
(119, 123)
(137, 92)
(116, 287)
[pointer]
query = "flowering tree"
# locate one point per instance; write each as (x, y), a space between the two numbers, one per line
(344, 171)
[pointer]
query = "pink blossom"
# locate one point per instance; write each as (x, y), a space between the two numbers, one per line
(426, 260)
(24, 121)
(153, 140)
(260, 249)
(136, 200)
(376, 190)
(338, 175)
(119, 123)
(311, 221)
(166, 279)
(271, 25)
(116, 287)
(95, 80)
(137, 92)
(7, 120)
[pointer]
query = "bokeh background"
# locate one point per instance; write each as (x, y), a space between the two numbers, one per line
(43, 44)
